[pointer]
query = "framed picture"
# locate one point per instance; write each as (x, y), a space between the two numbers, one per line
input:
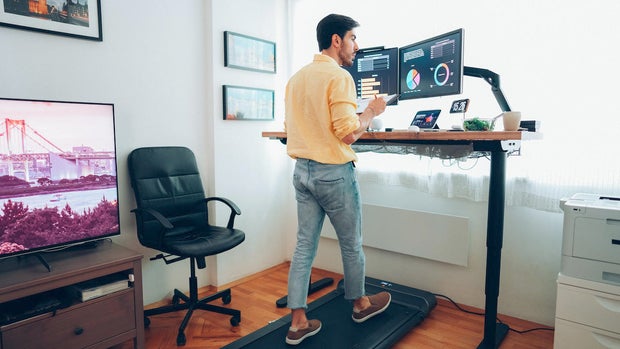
(245, 103)
(246, 52)
(80, 19)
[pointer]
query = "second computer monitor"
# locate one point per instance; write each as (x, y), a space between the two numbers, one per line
(375, 71)
(433, 67)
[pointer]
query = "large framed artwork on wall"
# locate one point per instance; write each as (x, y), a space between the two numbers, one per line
(249, 53)
(246, 103)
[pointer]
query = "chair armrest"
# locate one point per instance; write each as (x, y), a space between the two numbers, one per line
(160, 218)
(234, 210)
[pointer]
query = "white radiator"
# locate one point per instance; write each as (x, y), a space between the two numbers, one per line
(439, 237)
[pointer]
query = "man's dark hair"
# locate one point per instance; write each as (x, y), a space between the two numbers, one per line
(333, 24)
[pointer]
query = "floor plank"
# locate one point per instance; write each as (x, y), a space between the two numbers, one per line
(445, 327)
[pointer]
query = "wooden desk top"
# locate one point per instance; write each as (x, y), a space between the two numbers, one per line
(441, 135)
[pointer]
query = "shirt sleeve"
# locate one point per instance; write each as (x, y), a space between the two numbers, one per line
(342, 105)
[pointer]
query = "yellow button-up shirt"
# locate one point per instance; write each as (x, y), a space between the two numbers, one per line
(319, 111)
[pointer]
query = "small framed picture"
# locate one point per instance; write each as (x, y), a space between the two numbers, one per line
(80, 19)
(246, 103)
(249, 53)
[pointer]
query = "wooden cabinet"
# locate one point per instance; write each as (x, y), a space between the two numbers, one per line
(97, 323)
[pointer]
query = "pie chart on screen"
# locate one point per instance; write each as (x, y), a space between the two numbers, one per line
(442, 74)
(413, 79)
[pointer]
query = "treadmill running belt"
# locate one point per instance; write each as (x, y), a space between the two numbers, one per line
(409, 307)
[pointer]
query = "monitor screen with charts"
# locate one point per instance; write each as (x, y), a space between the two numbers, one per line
(375, 72)
(433, 67)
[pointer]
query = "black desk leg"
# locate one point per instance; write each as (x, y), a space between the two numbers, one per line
(494, 332)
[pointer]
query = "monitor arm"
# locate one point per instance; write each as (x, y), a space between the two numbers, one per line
(493, 80)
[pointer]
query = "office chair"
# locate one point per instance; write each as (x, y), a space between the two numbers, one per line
(172, 217)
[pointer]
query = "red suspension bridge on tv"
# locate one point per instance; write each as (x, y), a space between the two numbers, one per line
(27, 154)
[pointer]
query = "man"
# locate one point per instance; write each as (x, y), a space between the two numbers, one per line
(321, 124)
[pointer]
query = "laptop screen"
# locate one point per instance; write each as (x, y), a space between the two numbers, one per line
(426, 118)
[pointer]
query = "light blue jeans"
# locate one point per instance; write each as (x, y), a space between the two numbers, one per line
(322, 189)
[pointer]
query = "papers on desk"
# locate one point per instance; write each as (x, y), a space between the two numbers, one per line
(362, 103)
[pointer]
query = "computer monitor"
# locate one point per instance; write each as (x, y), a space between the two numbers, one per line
(375, 71)
(433, 67)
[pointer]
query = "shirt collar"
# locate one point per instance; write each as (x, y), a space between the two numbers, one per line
(319, 57)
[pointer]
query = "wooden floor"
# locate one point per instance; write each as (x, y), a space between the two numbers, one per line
(255, 296)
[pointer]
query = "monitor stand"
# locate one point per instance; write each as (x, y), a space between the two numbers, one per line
(44, 262)
(492, 79)
(79, 246)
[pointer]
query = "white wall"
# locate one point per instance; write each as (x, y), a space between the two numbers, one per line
(250, 169)
(147, 67)
(161, 64)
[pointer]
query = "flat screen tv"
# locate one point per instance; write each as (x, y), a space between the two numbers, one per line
(58, 182)
(432, 67)
(375, 72)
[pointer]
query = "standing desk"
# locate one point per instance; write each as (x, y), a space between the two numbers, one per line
(498, 144)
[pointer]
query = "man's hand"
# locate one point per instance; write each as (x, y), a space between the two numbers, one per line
(377, 106)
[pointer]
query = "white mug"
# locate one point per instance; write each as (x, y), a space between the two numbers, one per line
(376, 124)
(512, 120)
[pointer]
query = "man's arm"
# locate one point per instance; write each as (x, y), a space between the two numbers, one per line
(375, 108)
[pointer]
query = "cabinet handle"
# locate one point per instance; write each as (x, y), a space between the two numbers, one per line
(612, 221)
(78, 331)
(612, 305)
(606, 341)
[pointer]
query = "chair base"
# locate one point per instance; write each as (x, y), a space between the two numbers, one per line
(180, 301)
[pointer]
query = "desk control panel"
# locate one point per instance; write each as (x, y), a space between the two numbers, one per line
(511, 145)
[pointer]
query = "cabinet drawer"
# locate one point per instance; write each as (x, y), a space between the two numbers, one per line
(588, 307)
(77, 327)
(569, 335)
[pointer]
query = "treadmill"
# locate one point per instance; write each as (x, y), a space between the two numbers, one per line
(409, 307)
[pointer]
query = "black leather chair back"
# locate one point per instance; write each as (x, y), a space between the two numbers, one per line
(167, 180)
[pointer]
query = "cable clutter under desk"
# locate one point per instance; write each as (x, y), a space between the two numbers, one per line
(445, 151)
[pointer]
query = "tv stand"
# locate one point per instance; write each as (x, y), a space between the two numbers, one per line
(101, 322)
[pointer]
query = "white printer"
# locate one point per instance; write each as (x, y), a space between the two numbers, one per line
(591, 238)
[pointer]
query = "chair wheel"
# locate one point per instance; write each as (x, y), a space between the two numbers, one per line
(147, 322)
(235, 320)
(181, 339)
(226, 299)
